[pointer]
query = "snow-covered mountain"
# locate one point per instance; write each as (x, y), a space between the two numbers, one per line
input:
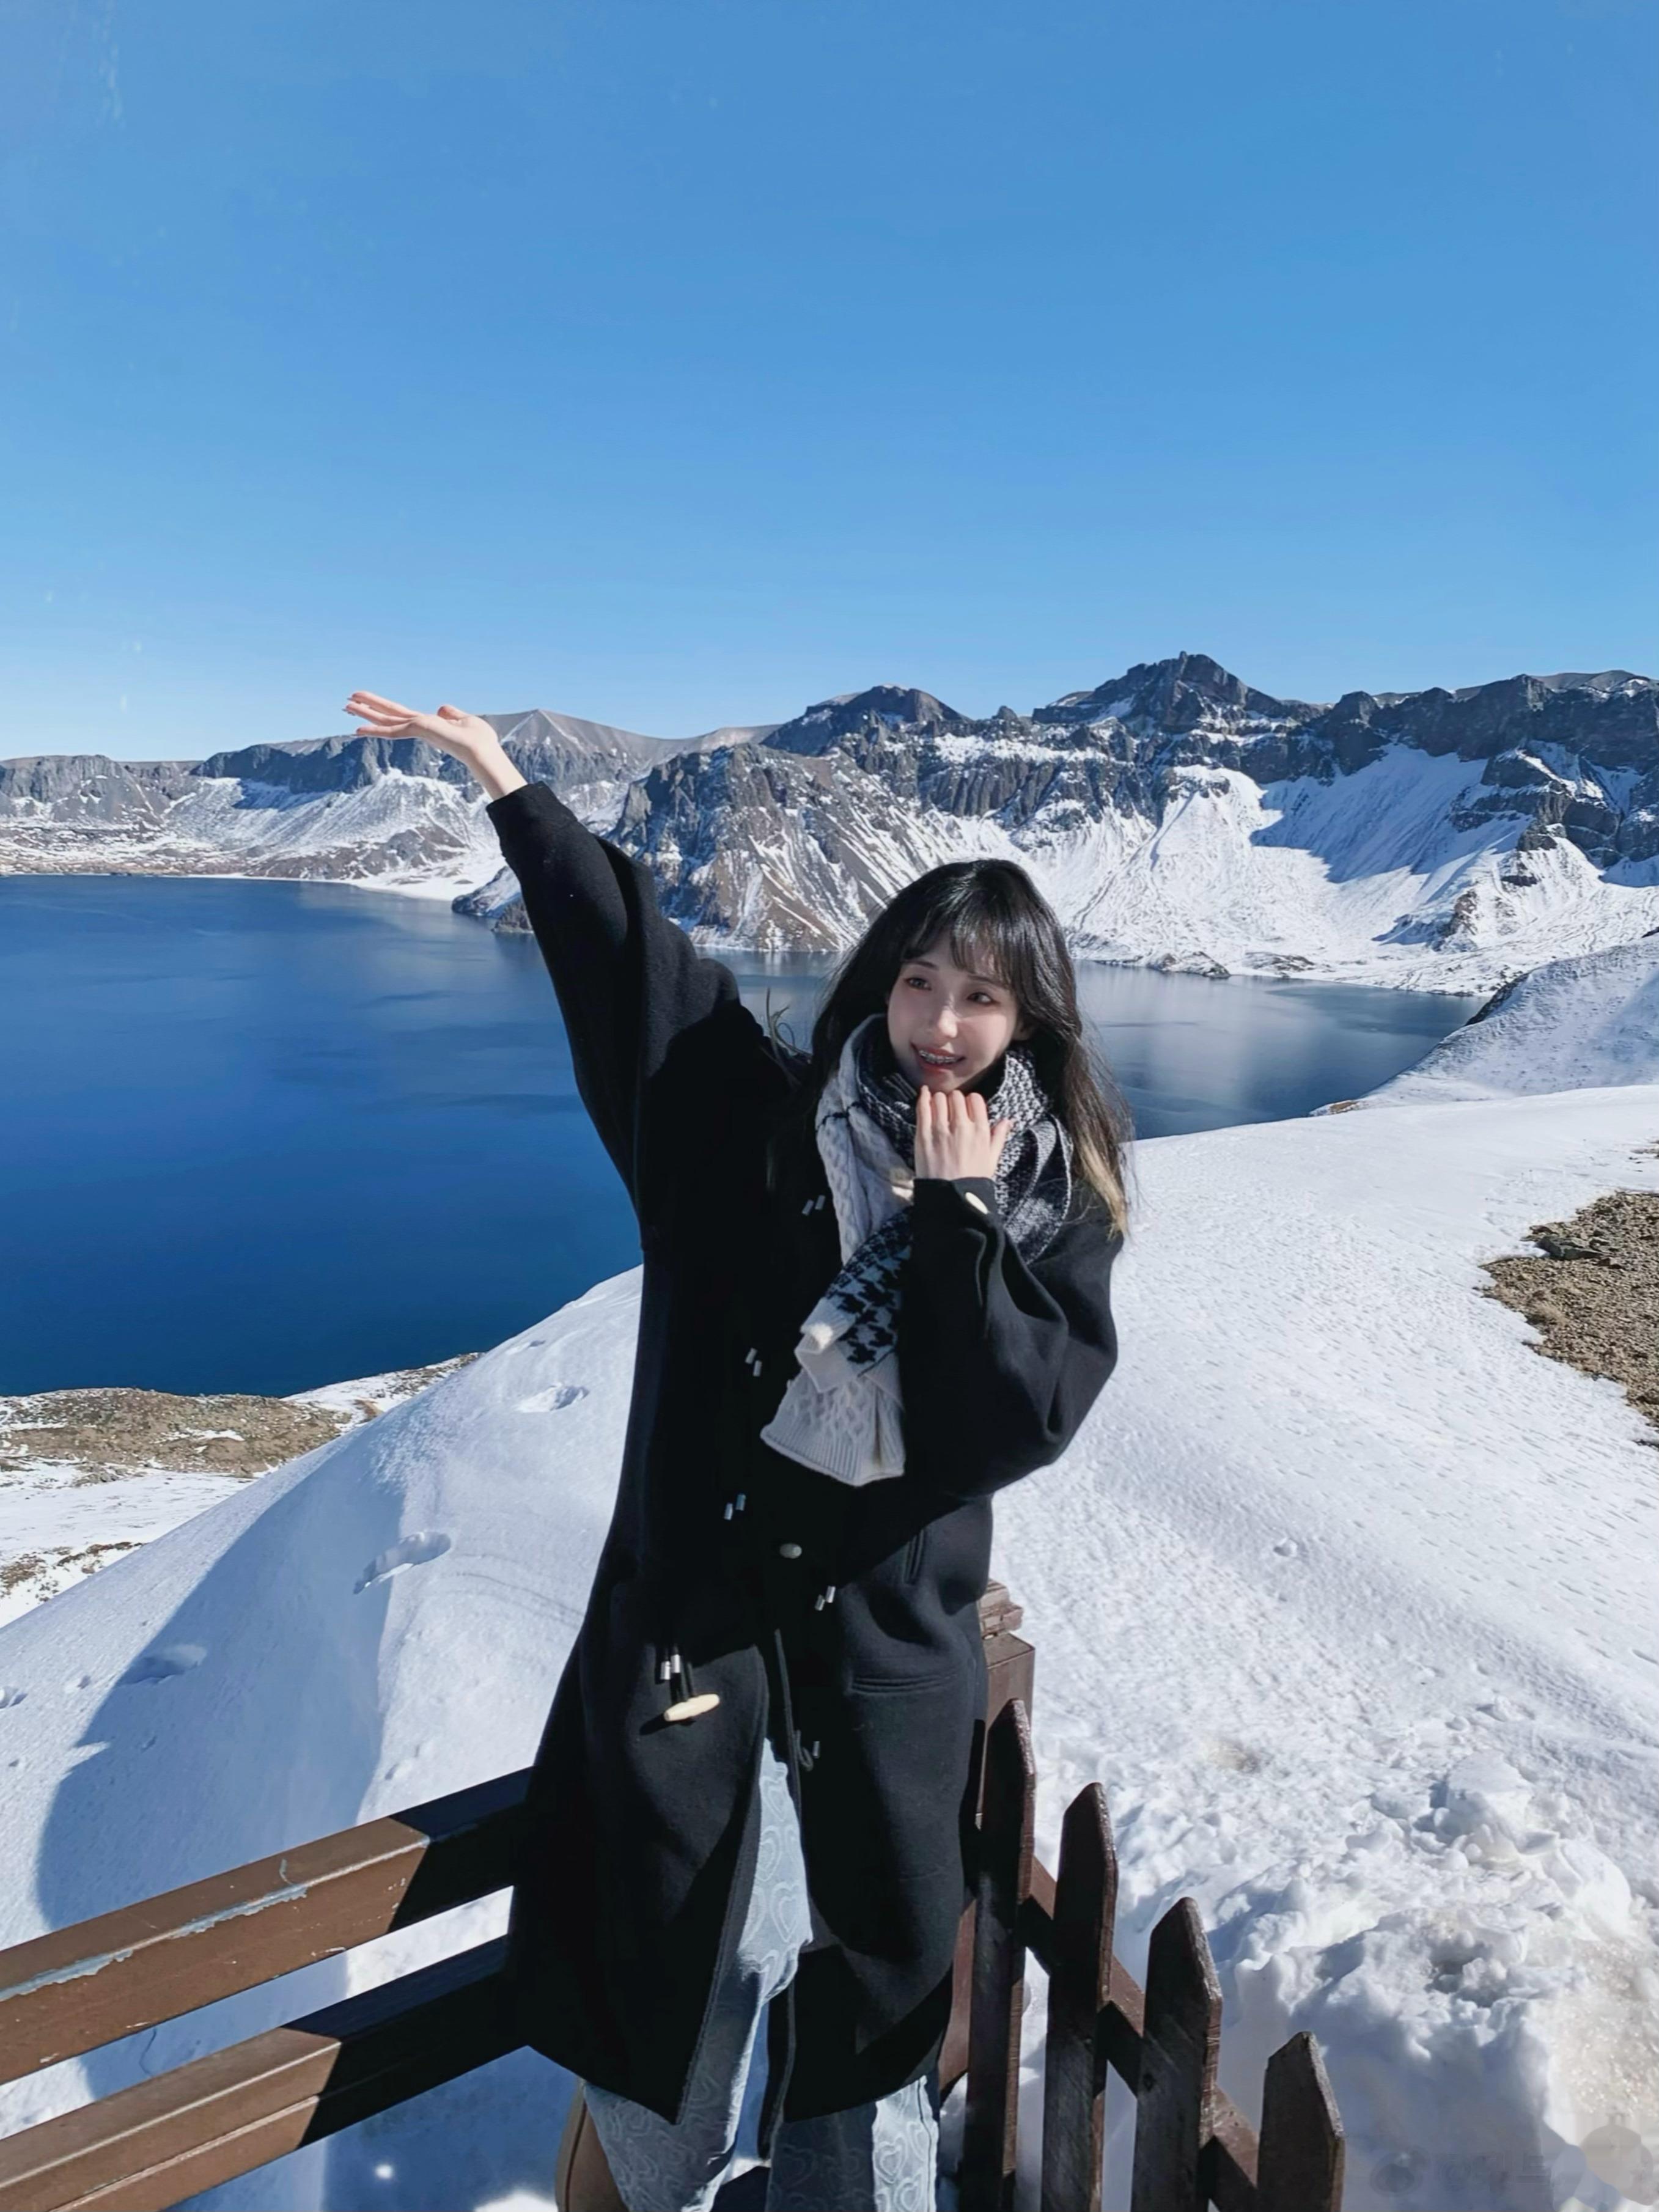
(1439, 840)
(397, 812)
(1436, 839)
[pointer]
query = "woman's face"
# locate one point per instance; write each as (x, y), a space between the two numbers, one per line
(946, 1024)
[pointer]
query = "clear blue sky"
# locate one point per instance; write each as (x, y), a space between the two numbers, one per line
(678, 362)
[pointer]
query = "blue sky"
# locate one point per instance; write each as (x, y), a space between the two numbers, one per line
(679, 361)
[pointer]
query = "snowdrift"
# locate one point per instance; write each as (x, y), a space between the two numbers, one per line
(1344, 1592)
(1571, 1024)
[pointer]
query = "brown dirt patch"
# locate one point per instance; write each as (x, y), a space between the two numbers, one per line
(1592, 1292)
(51, 1568)
(113, 1432)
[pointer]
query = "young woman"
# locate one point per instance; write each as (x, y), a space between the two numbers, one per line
(875, 1292)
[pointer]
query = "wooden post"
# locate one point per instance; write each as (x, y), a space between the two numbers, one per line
(1299, 2165)
(1010, 1660)
(1079, 1985)
(1010, 1665)
(953, 2052)
(1174, 2099)
(990, 2128)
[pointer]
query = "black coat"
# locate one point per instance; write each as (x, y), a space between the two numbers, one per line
(643, 1831)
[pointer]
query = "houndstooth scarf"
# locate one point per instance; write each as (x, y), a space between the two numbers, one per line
(840, 1413)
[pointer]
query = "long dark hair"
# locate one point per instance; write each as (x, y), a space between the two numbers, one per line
(997, 922)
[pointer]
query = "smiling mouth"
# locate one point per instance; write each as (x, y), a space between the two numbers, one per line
(940, 1060)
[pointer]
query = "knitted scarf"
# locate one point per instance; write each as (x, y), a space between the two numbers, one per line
(840, 1413)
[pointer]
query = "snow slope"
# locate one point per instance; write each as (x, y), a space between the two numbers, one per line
(1564, 1026)
(1344, 1591)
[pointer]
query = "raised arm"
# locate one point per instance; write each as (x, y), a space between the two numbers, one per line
(630, 984)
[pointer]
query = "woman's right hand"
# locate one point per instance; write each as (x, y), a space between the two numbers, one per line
(469, 737)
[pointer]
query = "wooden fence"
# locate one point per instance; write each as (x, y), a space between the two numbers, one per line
(143, 2148)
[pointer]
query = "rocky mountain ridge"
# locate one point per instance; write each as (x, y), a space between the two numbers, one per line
(396, 812)
(1176, 815)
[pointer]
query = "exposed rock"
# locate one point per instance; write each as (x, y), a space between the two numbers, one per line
(109, 1432)
(1499, 998)
(497, 902)
(40, 1575)
(1556, 1240)
(1594, 1295)
(1188, 963)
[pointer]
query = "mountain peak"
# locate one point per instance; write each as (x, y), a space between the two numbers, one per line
(1177, 693)
(861, 712)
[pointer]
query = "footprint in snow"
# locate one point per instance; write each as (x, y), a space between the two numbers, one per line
(529, 1344)
(416, 1551)
(1236, 1757)
(1288, 1548)
(554, 1400)
(161, 1664)
(10, 1695)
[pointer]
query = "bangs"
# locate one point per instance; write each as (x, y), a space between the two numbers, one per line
(976, 953)
(984, 938)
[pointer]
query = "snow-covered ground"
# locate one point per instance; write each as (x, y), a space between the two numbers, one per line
(1345, 1592)
(56, 1528)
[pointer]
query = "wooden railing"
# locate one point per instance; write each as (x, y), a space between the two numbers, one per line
(144, 2147)
(1193, 2147)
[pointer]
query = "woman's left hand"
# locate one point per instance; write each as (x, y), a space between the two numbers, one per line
(955, 1135)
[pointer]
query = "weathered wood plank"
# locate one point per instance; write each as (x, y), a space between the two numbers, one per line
(1080, 1986)
(67, 1993)
(1227, 2167)
(1010, 1670)
(1005, 1831)
(1175, 2097)
(953, 2052)
(1299, 2167)
(998, 1611)
(145, 2148)
(1010, 1667)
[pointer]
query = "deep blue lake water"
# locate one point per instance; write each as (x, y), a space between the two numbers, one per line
(259, 1136)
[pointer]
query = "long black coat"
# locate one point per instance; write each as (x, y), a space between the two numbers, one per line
(643, 1831)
